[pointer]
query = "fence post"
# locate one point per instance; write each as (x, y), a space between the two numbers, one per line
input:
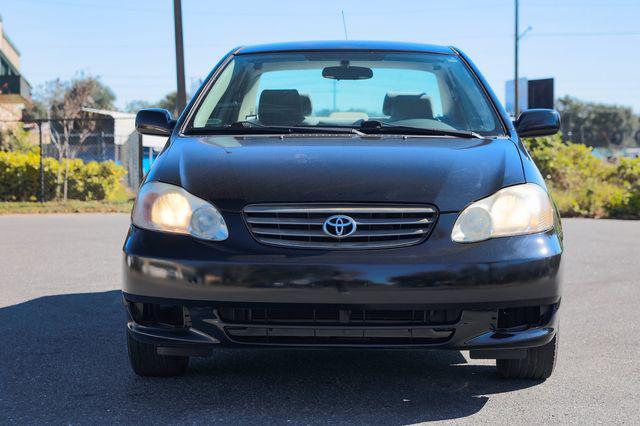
(39, 123)
(140, 154)
(102, 147)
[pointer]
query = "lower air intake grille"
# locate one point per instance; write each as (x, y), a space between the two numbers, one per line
(338, 327)
(329, 316)
(345, 227)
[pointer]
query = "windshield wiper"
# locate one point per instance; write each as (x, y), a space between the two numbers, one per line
(255, 127)
(386, 127)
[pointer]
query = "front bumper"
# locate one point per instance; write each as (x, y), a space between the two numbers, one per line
(477, 279)
(203, 327)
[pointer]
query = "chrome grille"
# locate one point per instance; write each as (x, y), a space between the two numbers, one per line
(377, 226)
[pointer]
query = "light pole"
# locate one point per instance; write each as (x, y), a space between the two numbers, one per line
(181, 99)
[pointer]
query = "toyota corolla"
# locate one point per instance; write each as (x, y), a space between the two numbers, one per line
(344, 194)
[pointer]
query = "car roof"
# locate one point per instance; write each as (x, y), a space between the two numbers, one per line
(307, 46)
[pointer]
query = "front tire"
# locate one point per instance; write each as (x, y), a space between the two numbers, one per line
(146, 362)
(538, 364)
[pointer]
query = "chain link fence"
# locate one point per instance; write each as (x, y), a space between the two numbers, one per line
(103, 139)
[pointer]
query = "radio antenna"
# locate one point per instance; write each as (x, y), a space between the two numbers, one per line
(344, 25)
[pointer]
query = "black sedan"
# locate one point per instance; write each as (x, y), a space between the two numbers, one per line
(344, 194)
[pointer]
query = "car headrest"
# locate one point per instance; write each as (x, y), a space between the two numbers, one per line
(280, 107)
(306, 104)
(404, 106)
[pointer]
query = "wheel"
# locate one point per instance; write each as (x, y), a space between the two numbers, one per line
(538, 364)
(145, 361)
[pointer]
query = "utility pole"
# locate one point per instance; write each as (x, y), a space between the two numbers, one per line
(515, 81)
(181, 99)
(517, 38)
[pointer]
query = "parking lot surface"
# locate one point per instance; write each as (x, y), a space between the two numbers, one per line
(63, 355)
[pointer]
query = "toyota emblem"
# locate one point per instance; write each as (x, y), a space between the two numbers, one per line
(339, 226)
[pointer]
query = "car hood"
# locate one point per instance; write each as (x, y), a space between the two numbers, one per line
(232, 171)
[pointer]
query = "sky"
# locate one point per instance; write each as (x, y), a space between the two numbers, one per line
(590, 47)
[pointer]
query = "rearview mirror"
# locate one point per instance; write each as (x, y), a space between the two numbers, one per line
(347, 73)
(154, 121)
(538, 122)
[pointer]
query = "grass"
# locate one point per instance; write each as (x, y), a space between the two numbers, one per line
(71, 206)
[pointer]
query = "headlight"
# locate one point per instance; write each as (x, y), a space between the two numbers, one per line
(169, 208)
(516, 210)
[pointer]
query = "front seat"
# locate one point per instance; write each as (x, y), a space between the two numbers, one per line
(305, 101)
(281, 107)
(406, 106)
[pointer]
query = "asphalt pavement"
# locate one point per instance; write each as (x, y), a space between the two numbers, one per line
(63, 356)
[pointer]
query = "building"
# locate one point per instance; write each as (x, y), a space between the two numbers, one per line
(537, 93)
(15, 91)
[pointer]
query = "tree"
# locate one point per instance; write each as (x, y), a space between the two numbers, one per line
(168, 102)
(595, 124)
(137, 105)
(65, 102)
(36, 109)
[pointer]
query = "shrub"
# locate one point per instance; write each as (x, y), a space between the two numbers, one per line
(582, 184)
(20, 178)
(627, 174)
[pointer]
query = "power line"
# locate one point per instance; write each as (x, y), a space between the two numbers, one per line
(630, 33)
(117, 46)
(587, 34)
(383, 12)
(96, 6)
(598, 3)
(394, 11)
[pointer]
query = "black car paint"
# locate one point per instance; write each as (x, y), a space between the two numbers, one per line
(538, 122)
(506, 271)
(447, 172)
(233, 170)
(154, 121)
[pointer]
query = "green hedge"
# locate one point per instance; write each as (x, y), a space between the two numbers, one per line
(20, 178)
(584, 185)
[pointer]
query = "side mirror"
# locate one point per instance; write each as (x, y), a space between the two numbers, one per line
(154, 121)
(538, 122)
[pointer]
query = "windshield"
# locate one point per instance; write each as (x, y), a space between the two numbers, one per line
(346, 89)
